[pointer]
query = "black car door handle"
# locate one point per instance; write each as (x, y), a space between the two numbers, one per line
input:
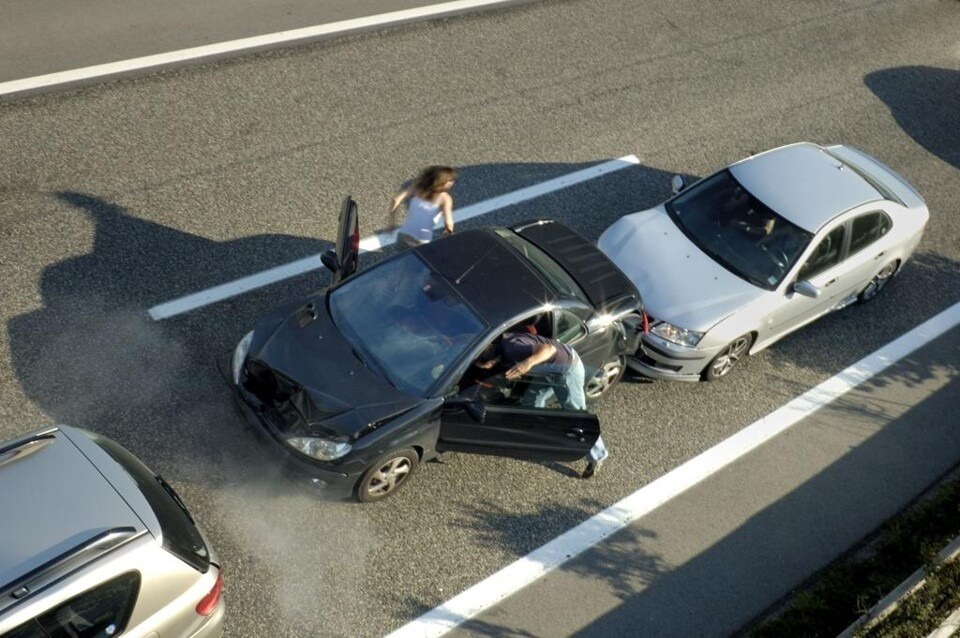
(879, 255)
(575, 433)
(832, 281)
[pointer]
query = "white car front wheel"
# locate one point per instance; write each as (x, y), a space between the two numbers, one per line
(728, 358)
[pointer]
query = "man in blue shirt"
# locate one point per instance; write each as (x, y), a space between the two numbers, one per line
(555, 362)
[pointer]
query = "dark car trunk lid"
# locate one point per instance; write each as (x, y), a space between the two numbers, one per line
(597, 276)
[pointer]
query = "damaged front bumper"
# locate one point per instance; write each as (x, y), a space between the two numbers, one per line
(259, 418)
(660, 359)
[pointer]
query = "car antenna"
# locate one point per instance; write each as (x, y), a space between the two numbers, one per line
(473, 265)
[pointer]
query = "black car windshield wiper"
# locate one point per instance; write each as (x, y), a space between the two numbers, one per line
(370, 362)
(362, 356)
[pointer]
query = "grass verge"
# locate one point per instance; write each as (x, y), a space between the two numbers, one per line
(923, 611)
(848, 588)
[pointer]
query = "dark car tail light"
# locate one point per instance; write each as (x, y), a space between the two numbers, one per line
(209, 602)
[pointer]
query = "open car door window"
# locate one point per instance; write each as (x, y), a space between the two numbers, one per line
(343, 260)
(517, 431)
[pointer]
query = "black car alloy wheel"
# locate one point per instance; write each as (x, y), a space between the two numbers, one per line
(605, 378)
(387, 474)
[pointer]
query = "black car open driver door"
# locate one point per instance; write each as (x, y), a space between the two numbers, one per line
(520, 432)
(344, 259)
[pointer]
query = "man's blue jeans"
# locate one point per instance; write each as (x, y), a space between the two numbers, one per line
(566, 384)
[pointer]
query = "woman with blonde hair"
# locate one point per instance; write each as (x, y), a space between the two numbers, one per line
(428, 198)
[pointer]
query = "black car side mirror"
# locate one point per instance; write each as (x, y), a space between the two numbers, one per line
(677, 184)
(330, 260)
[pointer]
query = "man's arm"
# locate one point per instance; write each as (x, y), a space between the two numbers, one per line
(542, 354)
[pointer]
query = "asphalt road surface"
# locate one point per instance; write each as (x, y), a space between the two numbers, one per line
(118, 197)
(48, 36)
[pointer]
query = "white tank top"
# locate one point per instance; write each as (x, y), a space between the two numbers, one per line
(421, 218)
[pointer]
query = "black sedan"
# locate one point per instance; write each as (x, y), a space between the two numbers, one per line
(356, 385)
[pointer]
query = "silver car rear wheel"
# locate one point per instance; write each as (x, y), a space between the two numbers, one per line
(728, 358)
(878, 283)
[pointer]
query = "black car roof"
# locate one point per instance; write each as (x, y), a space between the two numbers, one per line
(490, 275)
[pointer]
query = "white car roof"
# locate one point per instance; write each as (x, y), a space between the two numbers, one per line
(803, 183)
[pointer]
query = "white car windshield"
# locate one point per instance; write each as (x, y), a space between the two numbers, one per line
(405, 321)
(737, 230)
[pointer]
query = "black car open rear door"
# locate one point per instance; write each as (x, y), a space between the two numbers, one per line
(343, 260)
(520, 432)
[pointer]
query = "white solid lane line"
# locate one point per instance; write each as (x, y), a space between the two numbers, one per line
(231, 289)
(229, 47)
(545, 559)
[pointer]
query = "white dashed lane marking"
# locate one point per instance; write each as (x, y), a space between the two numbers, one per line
(242, 45)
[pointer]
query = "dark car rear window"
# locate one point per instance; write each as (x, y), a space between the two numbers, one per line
(180, 535)
(549, 269)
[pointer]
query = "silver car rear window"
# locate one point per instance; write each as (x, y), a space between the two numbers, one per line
(180, 534)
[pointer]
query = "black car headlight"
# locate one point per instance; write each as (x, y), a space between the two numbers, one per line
(319, 448)
(240, 355)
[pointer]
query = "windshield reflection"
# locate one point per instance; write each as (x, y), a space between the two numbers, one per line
(738, 231)
(405, 320)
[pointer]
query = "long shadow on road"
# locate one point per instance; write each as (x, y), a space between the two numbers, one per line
(92, 357)
(923, 100)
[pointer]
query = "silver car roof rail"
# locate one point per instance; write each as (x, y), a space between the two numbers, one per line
(61, 566)
(23, 447)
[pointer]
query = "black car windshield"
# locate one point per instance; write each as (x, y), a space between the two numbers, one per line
(737, 230)
(406, 321)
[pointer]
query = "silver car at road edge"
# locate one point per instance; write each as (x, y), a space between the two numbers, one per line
(734, 262)
(93, 544)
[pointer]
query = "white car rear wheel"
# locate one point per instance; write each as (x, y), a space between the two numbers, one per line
(878, 283)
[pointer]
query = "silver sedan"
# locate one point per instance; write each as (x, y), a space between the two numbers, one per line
(759, 249)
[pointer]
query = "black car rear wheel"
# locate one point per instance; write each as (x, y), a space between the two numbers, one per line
(605, 378)
(387, 474)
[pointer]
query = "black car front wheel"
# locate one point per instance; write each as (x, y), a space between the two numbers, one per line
(387, 474)
(727, 359)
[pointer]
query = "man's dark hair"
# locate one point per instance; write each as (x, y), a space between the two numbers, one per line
(490, 353)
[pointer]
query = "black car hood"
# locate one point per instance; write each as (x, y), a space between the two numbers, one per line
(303, 366)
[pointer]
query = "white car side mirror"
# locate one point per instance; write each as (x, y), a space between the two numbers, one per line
(806, 289)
